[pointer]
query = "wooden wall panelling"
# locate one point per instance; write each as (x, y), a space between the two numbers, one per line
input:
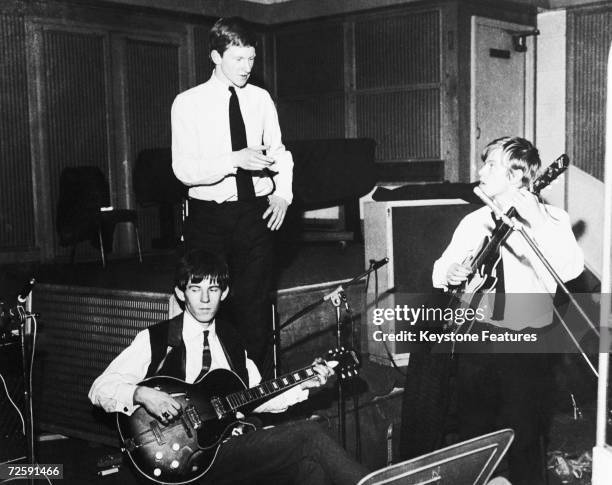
(17, 218)
(312, 117)
(70, 78)
(589, 36)
(310, 78)
(450, 136)
(350, 125)
(203, 63)
(398, 88)
(154, 72)
(405, 124)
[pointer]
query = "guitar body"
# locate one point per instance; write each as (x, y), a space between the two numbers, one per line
(470, 293)
(185, 449)
(484, 262)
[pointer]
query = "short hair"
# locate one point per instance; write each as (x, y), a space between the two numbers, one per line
(517, 154)
(230, 31)
(198, 265)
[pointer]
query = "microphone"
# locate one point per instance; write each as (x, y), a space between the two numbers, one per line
(377, 264)
(25, 291)
(493, 206)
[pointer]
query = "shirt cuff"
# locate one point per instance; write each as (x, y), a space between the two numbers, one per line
(125, 399)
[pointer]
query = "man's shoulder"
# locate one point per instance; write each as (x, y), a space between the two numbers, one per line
(256, 91)
(482, 214)
(177, 319)
(556, 213)
(195, 91)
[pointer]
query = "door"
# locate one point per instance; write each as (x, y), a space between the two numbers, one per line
(502, 86)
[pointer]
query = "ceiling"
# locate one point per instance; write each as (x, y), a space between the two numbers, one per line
(279, 11)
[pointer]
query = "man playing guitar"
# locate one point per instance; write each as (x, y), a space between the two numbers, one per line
(495, 389)
(194, 344)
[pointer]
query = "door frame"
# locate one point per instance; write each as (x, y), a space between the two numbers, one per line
(530, 83)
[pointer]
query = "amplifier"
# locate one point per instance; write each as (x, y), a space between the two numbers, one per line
(412, 234)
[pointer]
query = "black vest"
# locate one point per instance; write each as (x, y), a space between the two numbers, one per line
(168, 349)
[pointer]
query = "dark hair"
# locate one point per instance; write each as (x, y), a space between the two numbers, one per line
(517, 154)
(198, 265)
(230, 31)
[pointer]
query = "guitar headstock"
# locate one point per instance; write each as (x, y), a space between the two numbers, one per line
(551, 173)
(348, 362)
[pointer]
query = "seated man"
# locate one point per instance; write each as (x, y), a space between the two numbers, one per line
(194, 342)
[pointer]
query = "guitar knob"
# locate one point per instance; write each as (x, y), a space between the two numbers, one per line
(157, 472)
(174, 464)
(176, 446)
(158, 456)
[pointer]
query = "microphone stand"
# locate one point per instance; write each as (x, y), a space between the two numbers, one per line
(337, 298)
(520, 228)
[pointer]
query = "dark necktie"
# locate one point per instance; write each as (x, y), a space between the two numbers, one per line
(244, 181)
(206, 357)
(499, 304)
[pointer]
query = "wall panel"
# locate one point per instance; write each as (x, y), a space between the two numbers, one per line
(316, 117)
(397, 51)
(310, 61)
(203, 64)
(153, 81)
(405, 124)
(397, 84)
(75, 105)
(592, 33)
(17, 214)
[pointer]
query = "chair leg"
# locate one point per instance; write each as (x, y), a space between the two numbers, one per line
(138, 243)
(101, 247)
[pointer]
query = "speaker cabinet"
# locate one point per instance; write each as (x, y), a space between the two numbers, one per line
(412, 234)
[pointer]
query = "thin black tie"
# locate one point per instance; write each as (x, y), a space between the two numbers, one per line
(499, 304)
(206, 357)
(244, 181)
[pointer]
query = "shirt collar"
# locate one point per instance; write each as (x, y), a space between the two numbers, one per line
(193, 328)
(220, 85)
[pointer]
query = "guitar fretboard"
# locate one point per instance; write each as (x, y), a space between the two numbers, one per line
(269, 388)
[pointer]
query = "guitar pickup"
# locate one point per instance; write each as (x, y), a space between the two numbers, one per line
(218, 407)
(193, 417)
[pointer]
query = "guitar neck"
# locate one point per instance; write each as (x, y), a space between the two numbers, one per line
(270, 388)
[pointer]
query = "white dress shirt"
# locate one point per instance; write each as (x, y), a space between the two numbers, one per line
(524, 273)
(202, 145)
(114, 389)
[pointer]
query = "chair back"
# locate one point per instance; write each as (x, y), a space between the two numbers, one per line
(82, 191)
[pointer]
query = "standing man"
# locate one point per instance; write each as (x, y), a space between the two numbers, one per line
(227, 148)
(500, 384)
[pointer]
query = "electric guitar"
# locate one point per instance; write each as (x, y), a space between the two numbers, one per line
(184, 450)
(484, 261)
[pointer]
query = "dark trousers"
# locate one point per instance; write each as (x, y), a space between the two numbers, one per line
(299, 453)
(496, 391)
(472, 394)
(236, 231)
